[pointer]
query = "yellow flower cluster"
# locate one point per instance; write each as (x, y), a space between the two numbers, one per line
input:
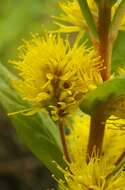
(93, 176)
(72, 20)
(54, 75)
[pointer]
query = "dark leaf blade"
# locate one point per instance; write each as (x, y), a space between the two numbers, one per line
(38, 132)
(118, 58)
(102, 94)
(15, 103)
(45, 150)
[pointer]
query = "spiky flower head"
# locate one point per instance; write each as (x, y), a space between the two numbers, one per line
(72, 20)
(92, 176)
(54, 75)
(96, 175)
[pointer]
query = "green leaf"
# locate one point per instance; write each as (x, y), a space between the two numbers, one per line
(118, 58)
(102, 94)
(45, 150)
(111, 2)
(88, 17)
(15, 103)
(38, 132)
(116, 21)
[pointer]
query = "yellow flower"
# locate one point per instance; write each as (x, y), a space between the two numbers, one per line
(113, 140)
(78, 139)
(54, 75)
(83, 176)
(72, 20)
(91, 177)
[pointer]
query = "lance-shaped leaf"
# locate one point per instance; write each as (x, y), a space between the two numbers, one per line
(88, 17)
(117, 19)
(102, 95)
(15, 103)
(38, 132)
(44, 148)
(118, 58)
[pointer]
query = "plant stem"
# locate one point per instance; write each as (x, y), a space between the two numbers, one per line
(120, 165)
(105, 47)
(122, 156)
(97, 125)
(62, 135)
(97, 129)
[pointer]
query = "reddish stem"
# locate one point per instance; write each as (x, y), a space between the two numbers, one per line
(97, 129)
(105, 45)
(62, 135)
(97, 126)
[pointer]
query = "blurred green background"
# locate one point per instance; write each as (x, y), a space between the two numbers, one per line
(18, 18)
(19, 169)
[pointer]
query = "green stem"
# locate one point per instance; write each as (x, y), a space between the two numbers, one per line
(121, 157)
(120, 165)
